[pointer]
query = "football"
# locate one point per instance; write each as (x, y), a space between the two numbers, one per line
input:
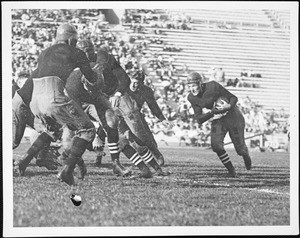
(220, 102)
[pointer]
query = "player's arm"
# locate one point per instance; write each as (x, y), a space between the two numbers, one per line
(84, 65)
(200, 116)
(119, 72)
(198, 112)
(152, 104)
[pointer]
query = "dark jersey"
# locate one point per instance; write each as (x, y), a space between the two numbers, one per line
(145, 94)
(61, 59)
(115, 78)
(58, 60)
(211, 91)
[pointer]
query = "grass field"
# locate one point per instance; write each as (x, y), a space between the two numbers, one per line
(196, 193)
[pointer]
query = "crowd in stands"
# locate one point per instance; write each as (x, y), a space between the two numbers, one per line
(167, 81)
(245, 79)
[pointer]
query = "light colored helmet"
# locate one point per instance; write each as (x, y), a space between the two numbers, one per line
(66, 32)
(194, 77)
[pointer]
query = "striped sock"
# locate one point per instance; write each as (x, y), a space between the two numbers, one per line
(132, 155)
(114, 150)
(224, 158)
(226, 161)
(135, 158)
(147, 156)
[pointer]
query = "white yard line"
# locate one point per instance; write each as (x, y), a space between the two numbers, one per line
(267, 191)
(228, 185)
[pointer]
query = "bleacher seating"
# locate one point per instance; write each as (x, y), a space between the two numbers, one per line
(252, 43)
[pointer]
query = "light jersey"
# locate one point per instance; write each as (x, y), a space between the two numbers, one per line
(211, 91)
(145, 94)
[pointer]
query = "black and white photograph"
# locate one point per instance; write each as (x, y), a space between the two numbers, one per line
(150, 118)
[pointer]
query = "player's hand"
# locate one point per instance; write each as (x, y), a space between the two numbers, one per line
(168, 124)
(217, 116)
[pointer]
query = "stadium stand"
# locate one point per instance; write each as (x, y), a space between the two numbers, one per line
(173, 43)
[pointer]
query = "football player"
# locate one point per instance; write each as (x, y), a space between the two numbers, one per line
(226, 117)
(116, 86)
(115, 83)
(144, 94)
(52, 107)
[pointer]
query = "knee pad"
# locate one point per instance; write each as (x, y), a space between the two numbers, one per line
(123, 141)
(111, 119)
(33, 136)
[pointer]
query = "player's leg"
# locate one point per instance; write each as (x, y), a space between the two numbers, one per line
(147, 156)
(218, 132)
(130, 152)
(98, 145)
(154, 148)
(133, 119)
(99, 142)
(22, 116)
(48, 156)
(67, 136)
(42, 141)
(72, 115)
(140, 147)
(110, 125)
(236, 126)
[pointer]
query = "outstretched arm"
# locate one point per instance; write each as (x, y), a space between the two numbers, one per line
(152, 104)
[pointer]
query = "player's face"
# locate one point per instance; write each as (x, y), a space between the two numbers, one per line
(134, 85)
(195, 88)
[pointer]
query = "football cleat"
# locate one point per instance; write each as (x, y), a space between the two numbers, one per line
(232, 173)
(247, 161)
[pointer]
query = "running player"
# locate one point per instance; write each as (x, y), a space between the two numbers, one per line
(226, 118)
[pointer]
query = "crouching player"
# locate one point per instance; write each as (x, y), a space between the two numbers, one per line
(144, 94)
(226, 117)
